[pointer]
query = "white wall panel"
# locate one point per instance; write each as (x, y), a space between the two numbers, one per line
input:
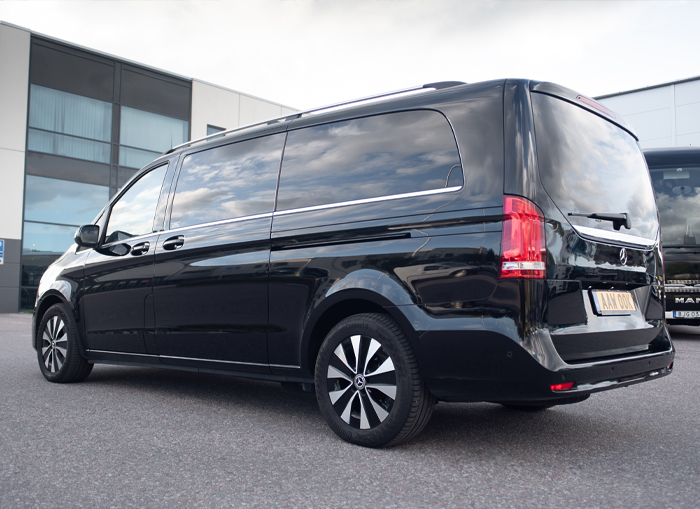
(657, 143)
(11, 193)
(14, 85)
(254, 110)
(688, 92)
(652, 124)
(685, 140)
(288, 111)
(212, 105)
(637, 102)
(688, 119)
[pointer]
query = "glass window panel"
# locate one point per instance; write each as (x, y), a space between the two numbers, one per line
(135, 158)
(678, 199)
(588, 165)
(60, 201)
(68, 146)
(212, 129)
(28, 298)
(227, 182)
(367, 158)
(141, 129)
(133, 213)
(46, 238)
(61, 112)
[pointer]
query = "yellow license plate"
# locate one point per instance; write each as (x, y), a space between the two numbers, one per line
(613, 302)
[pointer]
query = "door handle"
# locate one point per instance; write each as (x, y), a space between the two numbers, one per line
(140, 249)
(174, 243)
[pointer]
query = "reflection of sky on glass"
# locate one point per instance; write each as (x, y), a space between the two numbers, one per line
(368, 157)
(589, 165)
(678, 199)
(134, 212)
(47, 238)
(59, 201)
(226, 182)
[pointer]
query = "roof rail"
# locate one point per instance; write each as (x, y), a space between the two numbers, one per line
(413, 90)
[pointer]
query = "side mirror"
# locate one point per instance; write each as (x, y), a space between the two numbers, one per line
(87, 235)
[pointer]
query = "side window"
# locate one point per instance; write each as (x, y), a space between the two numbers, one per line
(227, 182)
(132, 215)
(368, 157)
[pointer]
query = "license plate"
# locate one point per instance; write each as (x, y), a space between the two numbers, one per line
(686, 314)
(613, 302)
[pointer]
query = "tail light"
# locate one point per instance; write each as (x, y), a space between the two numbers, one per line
(523, 250)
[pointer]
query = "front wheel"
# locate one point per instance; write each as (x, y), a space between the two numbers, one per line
(58, 352)
(368, 385)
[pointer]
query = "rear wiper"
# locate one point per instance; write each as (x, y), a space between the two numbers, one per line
(618, 220)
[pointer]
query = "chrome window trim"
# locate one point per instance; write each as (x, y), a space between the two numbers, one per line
(123, 353)
(614, 236)
(369, 200)
(216, 223)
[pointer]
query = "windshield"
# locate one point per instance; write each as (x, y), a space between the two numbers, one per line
(589, 165)
(678, 198)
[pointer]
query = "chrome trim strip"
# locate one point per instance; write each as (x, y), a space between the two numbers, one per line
(216, 223)
(123, 353)
(681, 289)
(617, 360)
(369, 200)
(195, 359)
(614, 236)
(212, 360)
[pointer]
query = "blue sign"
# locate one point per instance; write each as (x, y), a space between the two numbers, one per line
(2, 251)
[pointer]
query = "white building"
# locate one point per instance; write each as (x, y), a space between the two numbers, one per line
(75, 125)
(665, 115)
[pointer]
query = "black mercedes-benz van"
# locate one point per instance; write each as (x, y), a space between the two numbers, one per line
(495, 241)
(675, 174)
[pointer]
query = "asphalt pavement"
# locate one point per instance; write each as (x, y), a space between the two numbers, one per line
(141, 437)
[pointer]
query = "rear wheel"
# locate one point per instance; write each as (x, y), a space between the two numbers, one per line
(368, 385)
(58, 352)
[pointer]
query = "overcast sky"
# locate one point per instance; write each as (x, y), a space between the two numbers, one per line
(310, 53)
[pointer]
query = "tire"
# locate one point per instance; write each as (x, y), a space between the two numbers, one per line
(380, 400)
(58, 352)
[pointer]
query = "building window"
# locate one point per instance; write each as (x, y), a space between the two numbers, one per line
(53, 209)
(143, 136)
(212, 129)
(69, 125)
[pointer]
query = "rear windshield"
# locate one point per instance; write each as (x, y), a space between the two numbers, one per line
(589, 165)
(678, 198)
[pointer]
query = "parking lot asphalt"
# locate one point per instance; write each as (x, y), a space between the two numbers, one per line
(141, 437)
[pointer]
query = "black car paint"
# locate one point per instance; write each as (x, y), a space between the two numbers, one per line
(430, 262)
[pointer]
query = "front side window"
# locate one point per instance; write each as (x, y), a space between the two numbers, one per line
(228, 182)
(133, 214)
(369, 157)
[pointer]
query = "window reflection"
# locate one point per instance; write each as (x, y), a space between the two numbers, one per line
(133, 214)
(226, 182)
(588, 164)
(368, 157)
(60, 201)
(678, 199)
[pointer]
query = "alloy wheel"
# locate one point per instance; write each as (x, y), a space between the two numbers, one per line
(54, 344)
(361, 382)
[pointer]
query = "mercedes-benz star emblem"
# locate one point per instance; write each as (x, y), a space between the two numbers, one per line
(359, 382)
(623, 256)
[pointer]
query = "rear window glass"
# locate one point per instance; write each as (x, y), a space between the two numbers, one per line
(678, 198)
(369, 157)
(589, 165)
(228, 182)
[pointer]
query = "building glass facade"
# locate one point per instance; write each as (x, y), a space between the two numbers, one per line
(93, 122)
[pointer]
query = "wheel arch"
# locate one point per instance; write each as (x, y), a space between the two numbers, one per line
(340, 306)
(47, 300)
